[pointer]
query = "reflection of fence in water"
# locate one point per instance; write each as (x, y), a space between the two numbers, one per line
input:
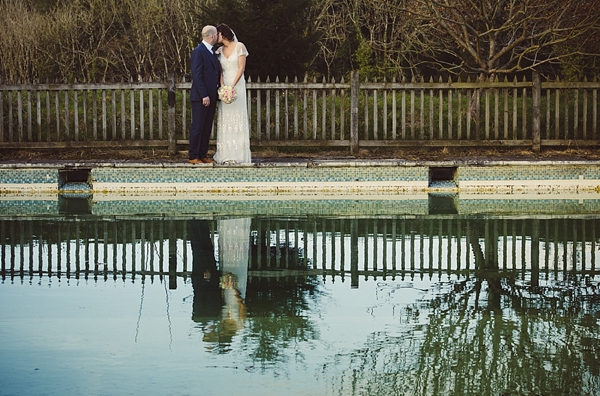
(372, 247)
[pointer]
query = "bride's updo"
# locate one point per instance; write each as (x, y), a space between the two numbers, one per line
(226, 32)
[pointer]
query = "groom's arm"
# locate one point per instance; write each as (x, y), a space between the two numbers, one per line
(197, 64)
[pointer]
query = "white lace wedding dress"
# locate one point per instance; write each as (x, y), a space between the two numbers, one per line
(233, 129)
(234, 248)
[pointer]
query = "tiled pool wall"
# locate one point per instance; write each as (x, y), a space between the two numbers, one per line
(340, 206)
(352, 188)
(324, 177)
(299, 179)
(511, 178)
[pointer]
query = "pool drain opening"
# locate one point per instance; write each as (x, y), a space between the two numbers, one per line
(74, 180)
(442, 204)
(74, 205)
(442, 177)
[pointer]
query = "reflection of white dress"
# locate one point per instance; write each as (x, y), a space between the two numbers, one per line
(234, 244)
(233, 130)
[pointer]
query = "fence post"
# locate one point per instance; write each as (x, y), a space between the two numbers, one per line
(354, 231)
(536, 94)
(171, 114)
(354, 89)
(172, 256)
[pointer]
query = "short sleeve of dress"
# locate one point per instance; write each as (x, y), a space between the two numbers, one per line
(241, 49)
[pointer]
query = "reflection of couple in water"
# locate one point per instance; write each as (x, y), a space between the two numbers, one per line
(219, 293)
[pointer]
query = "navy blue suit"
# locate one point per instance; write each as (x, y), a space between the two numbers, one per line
(206, 73)
(208, 301)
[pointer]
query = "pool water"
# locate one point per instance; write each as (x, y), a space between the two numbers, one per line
(432, 304)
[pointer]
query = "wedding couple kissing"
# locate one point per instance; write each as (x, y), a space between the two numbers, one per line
(217, 62)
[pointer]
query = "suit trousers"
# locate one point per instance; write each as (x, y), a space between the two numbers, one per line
(201, 128)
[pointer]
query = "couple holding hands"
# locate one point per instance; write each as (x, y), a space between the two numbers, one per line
(214, 73)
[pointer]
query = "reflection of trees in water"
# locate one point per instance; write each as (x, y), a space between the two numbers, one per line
(278, 318)
(532, 344)
(497, 333)
(532, 329)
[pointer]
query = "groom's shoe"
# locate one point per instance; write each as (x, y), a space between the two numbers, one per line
(207, 160)
(195, 161)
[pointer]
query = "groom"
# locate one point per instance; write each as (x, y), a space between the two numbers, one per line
(206, 73)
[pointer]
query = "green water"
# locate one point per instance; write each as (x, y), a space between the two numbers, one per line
(301, 304)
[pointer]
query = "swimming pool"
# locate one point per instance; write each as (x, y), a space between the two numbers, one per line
(419, 295)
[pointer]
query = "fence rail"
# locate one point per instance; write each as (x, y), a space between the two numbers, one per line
(350, 114)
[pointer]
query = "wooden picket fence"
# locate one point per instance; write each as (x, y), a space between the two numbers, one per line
(351, 114)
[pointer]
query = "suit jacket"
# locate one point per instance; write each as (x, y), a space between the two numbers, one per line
(206, 73)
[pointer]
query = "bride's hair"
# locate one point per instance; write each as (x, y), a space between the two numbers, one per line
(226, 32)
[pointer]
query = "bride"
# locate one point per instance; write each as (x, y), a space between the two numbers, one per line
(233, 130)
(234, 244)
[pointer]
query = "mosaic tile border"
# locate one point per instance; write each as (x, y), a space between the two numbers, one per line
(261, 175)
(306, 177)
(124, 206)
(24, 175)
(26, 206)
(265, 188)
(289, 207)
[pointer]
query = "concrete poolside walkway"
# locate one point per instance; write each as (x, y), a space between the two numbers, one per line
(265, 176)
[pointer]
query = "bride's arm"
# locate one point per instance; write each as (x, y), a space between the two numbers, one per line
(240, 70)
(220, 52)
(241, 66)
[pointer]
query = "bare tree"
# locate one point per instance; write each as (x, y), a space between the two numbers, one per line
(506, 36)
(17, 40)
(180, 32)
(157, 36)
(386, 38)
(74, 41)
(480, 37)
(333, 24)
(98, 39)
(176, 35)
(394, 37)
